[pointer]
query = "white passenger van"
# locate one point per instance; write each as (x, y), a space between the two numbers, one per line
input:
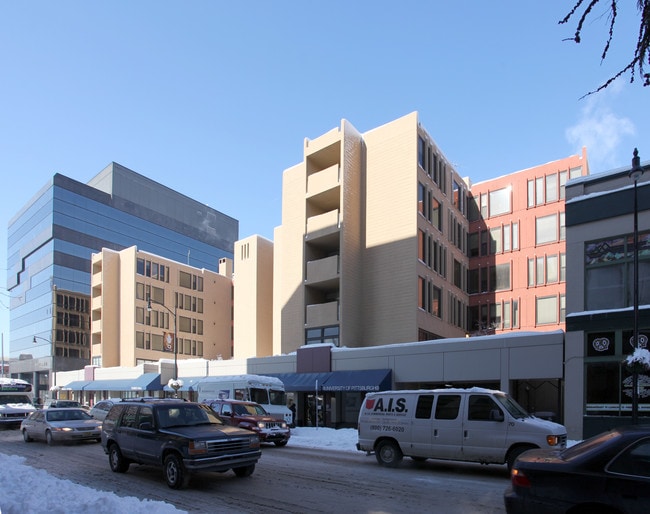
(267, 391)
(16, 397)
(474, 425)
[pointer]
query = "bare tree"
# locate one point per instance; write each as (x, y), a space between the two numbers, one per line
(641, 54)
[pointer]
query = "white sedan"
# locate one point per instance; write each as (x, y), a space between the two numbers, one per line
(61, 425)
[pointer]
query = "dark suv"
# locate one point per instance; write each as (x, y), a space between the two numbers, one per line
(182, 437)
(252, 416)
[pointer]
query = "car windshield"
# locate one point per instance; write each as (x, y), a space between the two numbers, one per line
(515, 410)
(185, 415)
(67, 415)
(589, 444)
(248, 409)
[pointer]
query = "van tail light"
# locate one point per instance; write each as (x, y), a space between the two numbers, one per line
(519, 479)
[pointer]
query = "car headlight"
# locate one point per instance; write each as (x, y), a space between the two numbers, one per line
(198, 447)
(254, 442)
(261, 424)
(284, 424)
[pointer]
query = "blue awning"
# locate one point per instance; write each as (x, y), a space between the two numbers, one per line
(77, 385)
(300, 381)
(361, 381)
(350, 381)
(146, 382)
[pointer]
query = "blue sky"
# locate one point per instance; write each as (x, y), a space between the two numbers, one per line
(215, 98)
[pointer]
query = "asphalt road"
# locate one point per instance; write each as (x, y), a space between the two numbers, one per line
(286, 480)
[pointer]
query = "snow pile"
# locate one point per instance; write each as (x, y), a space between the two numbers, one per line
(27, 489)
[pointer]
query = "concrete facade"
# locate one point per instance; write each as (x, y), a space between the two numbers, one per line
(253, 298)
(350, 267)
(599, 325)
(195, 304)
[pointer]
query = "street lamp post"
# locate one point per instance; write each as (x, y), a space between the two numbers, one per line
(635, 174)
(53, 347)
(175, 383)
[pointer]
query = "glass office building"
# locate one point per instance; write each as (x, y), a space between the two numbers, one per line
(50, 244)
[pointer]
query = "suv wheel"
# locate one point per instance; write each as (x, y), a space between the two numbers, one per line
(117, 461)
(244, 471)
(175, 474)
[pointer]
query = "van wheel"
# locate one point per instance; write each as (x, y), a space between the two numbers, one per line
(175, 474)
(388, 454)
(514, 453)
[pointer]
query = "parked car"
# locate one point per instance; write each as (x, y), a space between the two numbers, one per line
(56, 425)
(608, 473)
(252, 416)
(58, 404)
(182, 437)
(101, 408)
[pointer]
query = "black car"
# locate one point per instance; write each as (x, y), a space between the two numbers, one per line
(608, 473)
(182, 437)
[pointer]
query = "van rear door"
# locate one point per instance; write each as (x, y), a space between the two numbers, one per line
(420, 437)
(447, 437)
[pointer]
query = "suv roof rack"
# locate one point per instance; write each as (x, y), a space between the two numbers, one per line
(143, 399)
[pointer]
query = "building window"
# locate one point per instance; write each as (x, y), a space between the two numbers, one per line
(436, 301)
(531, 193)
(421, 245)
(436, 214)
(500, 202)
(495, 240)
(546, 310)
(422, 292)
(551, 188)
(472, 244)
(551, 268)
(421, 152)
(185, 279)
(609, 272)
(539, 191)
(515, 236)
(422, 193)
(563, 175)
(502, 277)
(458, 274)
(546, 229)
(562, 267)
(322, 335)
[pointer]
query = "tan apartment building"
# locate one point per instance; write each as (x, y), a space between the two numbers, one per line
(372, 246)
(517, 248)
(139, 301)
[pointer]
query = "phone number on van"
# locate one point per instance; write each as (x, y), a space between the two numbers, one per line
(386, 428)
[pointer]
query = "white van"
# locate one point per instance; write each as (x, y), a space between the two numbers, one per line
(267, 391)
(474, 425)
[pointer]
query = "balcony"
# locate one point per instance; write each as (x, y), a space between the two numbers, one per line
(322, 314)
(323, 273)
(323, 188)
(323, 225)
